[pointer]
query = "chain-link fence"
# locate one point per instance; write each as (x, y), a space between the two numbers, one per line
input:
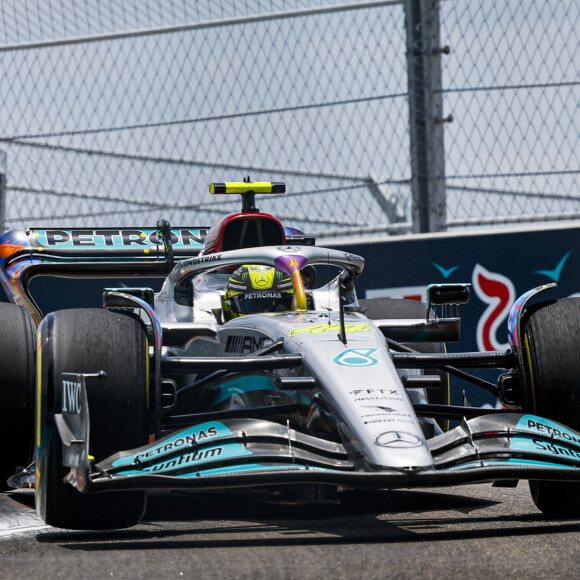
(512, 84)
(121, 113)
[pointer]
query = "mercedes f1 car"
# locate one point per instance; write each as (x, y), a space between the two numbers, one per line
(257, 369)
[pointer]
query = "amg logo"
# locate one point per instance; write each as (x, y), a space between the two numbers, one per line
(187, 459)
(242, 344)
(71, 397)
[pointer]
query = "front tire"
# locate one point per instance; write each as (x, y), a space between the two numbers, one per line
(88, 341)
(552, 356)
(17, 372)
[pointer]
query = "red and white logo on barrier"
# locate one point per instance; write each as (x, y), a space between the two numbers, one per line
(499, 293)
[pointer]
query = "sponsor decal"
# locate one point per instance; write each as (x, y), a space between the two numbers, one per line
(555, 449)
(397, 440)
(356, 357)
(547, 428)
(251, 295)
(188, 459)
(374, 392)
(200, 260)
(175, 443)
(375, 395)
(383, 415)
(187, 438)
(537, 445)
(56, 238)
(325, 327)
(194, 457)
(558, 444)
(262, 279)
(244, 344)
(389, 420)
(71, 397)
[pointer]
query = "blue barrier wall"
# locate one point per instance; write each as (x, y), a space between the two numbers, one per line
(500, 266)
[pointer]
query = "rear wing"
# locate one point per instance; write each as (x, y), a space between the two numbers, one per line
(90, 253)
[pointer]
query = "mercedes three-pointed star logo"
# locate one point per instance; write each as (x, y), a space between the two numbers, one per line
(261, 280)
(397, 439)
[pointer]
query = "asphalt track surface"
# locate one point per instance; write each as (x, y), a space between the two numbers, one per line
(475, 531)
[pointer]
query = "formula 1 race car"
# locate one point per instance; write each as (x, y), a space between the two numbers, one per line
(256, 368)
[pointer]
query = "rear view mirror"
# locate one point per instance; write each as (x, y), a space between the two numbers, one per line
(438, 294)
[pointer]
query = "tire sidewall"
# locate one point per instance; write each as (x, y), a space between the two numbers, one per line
(552, 377)
(62, 348)
(17, 388)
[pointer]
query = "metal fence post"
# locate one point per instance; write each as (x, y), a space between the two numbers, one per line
(425, 115)
(2, 192)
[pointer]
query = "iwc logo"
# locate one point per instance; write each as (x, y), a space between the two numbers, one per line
(397, 439)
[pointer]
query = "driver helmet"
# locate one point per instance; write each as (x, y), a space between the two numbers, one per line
(257, 289)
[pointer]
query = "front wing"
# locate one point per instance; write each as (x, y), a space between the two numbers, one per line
(251, 452)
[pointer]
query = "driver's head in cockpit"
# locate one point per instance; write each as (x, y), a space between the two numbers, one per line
(254, 289)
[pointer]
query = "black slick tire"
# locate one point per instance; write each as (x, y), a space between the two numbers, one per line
(88, 341)
(551, 352)
(17, 378)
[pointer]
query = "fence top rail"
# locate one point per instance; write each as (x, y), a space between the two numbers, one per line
(191, 26)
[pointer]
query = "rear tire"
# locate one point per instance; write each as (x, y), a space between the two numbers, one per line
(88, 341)
(17, 373)
(551, 352)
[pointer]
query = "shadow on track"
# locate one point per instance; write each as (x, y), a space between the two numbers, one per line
(227, 521)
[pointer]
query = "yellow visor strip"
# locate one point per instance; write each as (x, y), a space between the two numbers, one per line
(242, 187)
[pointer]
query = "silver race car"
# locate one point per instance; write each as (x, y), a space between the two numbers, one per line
(257, 369)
